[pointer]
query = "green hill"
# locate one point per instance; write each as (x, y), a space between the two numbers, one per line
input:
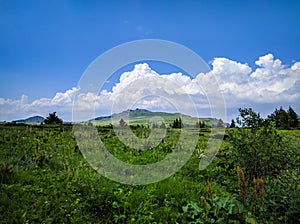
(31, 120)
(144, 117)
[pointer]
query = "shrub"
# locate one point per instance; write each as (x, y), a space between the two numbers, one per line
(257, 146)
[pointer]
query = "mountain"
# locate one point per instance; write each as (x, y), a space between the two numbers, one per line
(32, 120)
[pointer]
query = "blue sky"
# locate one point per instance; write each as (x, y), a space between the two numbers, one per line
(45, 46)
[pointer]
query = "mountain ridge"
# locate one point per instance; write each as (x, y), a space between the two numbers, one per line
(136, 116)
(33, 120)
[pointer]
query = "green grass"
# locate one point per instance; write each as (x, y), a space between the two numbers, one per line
(45, 179)
(294, 134)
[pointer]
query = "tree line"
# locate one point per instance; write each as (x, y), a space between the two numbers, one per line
(282, 119)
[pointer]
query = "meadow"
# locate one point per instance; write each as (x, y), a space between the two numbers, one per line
(44, 178)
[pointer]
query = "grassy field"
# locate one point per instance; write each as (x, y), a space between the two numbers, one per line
(45, 179)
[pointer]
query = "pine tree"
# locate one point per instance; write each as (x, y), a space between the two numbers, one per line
(293, 117)
(162, 126)
(180, 125)
(177, 123)
(220, 123)
(232, 125)
(284, 119)
(53, 119)
(122, 122)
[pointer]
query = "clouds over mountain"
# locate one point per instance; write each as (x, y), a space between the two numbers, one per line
(271, 82)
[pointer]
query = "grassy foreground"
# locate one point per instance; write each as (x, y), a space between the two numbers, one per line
(45, 179)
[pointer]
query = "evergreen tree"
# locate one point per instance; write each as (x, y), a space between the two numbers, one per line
(154, 125)
(200, 124)
(293, 117)
(284, 119)
(177, 123)
(197, 125)
(180, 124)
(163, 125)
(53, 119)
(122, 122)
(220, 123)
(232, 125)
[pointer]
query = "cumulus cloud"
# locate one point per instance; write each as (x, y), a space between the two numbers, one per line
(270, 83)
(14, 109)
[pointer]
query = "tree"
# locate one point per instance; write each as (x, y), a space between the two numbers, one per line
(122, 123)
(220, 123)
(154, 125)
(177, 123)
(257, 146)
(284, 119)
(200, 124)
(232, 125)
(248, 118)
(53, 119)
(163, 126)
(293, 117)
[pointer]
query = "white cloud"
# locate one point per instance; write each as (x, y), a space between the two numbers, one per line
(15, 109)
(271, 83)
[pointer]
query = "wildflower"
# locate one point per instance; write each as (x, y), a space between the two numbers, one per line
(242, 182)
(209, 190)
(202, 198)
(261, 187)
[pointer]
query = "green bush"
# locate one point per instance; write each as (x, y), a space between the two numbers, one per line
(258, 147)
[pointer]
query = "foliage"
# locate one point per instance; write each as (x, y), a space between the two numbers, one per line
(53, 119)
(284, 119)
(249, 119)
(122, 122)
(282, 195)
(257, 147)
(163, 125)
(224, 208)
(220, 124)
(200, 124)
(177, 123)
(45, 179)
(232, 124)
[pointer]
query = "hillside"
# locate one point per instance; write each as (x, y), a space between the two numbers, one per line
(143, 116)
(32, 120)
